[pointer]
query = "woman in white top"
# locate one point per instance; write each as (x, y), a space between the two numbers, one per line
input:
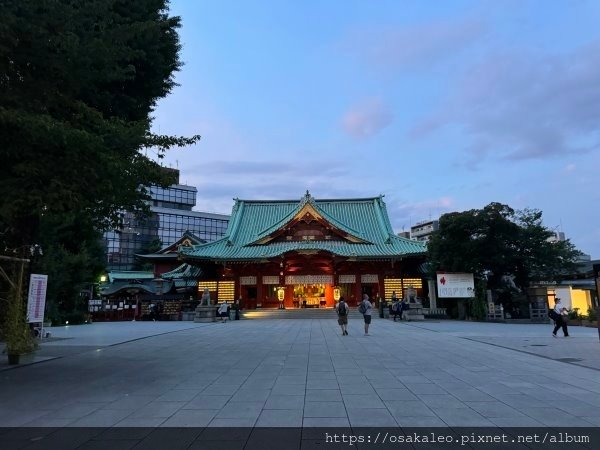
(223, 313)
(561, 320)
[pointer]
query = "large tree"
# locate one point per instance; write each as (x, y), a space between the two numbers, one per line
(79, 81)
(497, 241)
(78, 84)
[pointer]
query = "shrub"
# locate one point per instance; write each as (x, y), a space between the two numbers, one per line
(574, 313)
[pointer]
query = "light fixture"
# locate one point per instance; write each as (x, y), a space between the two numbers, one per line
(103, 279)
(336, 293)
(280, 293)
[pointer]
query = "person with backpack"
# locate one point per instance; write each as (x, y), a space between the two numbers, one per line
(342, 311)
(365, 307)
(404, 307)
(395, 306)
(559, 314)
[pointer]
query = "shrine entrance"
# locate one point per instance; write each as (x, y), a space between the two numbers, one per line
(312, 296)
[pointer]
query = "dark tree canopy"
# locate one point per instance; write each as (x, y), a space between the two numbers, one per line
(79, 81)
(498, 241)
(78, 84)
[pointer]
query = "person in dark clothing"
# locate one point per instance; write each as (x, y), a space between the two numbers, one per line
(561, 318)
(404, 307)
(153, 312)
(396, 308)
(236, 308)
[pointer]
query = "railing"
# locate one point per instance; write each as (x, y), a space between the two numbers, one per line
(435, 311)
(495, 312)
(538, 314)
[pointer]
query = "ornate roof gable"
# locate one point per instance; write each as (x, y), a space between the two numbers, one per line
(187, 239)
(308, 222)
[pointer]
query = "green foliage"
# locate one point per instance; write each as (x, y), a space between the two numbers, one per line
(151, 247)
(15, 329)
(574, 314)
(497, 241)
(479, 304)
(591, 315)
(79, 82)
(73, 258)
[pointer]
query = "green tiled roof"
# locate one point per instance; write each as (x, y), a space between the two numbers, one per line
(183, 276)
(251, 220)
(121, 286)
(130, 275)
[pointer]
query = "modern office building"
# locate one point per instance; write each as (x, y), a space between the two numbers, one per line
(558, 236)
(422, 230)
(171, 216)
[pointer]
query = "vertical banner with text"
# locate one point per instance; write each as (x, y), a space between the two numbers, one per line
(36, 301)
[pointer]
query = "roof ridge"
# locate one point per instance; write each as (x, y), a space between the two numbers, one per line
(354, 199)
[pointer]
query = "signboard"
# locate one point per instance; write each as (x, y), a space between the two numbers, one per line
(36, 300)
(455, 285)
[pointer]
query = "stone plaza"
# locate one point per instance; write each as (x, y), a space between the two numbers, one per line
(303, 373)
(256, 373)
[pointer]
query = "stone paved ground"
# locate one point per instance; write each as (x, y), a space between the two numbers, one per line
(303, 372)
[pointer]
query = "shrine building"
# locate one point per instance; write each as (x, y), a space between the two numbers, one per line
(309, 252)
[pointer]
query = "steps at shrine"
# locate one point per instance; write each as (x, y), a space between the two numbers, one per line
(308, 313)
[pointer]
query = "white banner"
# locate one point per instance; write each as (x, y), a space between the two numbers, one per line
(36, 300)
(455, 285)
(369, 278)
(248, 281)
(270, 279)
(347, 279)
(309, 279)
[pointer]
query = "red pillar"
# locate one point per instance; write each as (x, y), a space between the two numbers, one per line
(358, 288)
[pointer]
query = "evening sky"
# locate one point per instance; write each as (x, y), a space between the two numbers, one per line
(440, 106)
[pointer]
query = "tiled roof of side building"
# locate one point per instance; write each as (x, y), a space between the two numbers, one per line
(363, 218)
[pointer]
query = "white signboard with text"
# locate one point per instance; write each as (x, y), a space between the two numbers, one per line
(455, 285)
(36, 300)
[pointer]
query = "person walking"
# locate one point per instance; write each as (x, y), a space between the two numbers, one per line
(395, 306)
(404, 307)
(153, 312)
(236, 308)
(223, 312)
(365, 308)
(560, 318)
(342, 311)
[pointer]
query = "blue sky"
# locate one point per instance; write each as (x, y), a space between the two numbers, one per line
(440, 106)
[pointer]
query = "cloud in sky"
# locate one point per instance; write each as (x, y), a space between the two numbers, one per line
(413, 46)
(475, 82)
(525, 105)
(404, 214)
(367, 118)
(219, 181)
